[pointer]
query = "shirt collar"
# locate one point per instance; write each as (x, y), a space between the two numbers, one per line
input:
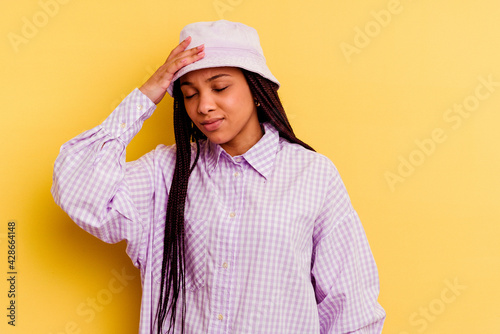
(261, 156)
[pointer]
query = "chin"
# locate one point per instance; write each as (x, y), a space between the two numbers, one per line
(216, 139)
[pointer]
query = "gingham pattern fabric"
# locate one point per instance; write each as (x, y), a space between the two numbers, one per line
(273, 243)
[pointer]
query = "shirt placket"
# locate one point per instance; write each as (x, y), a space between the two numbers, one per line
(227, 247)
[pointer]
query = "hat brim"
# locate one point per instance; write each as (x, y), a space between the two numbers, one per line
(218, 58)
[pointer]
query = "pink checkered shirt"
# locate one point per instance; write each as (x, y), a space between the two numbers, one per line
(273, 243)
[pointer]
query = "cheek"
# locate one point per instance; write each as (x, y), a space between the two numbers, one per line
(190, 110)
(230, 102)
(240, 103)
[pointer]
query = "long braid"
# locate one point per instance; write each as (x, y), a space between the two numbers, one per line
(271, 110)
(173, 264)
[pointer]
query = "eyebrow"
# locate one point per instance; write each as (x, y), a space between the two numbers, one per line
(209, 79)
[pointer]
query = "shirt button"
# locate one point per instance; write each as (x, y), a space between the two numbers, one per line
(220, 317)
(225, 265)
(237, 159)
(139, 107)
(236, 174)
(123, 125)
(232, 214)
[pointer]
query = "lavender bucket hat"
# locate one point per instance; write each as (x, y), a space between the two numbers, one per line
(226, 44)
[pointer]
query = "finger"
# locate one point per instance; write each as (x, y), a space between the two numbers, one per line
(180, 47)
(187, 59)
(186, 53)
(182, 58)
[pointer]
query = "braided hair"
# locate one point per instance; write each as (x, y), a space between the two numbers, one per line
(265, 92)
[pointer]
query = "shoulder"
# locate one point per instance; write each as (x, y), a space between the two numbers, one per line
(299, 156)
(320, 171)
(165, 155)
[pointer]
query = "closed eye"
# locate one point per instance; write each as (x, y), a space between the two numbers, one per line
(187, 97)
(220, 89)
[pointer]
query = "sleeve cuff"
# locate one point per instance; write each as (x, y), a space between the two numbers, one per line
(127, 119)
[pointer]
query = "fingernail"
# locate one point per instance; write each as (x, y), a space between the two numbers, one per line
(201, 54)
(200, 47)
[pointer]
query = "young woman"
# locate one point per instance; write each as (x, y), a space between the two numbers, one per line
(244, 230)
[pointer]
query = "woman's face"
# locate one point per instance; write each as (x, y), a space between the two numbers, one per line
(219, 102)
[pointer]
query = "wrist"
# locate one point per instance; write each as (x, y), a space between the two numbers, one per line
(155, 94)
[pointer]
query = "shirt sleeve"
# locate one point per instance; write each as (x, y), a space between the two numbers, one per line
(100, 192)
(344, 273)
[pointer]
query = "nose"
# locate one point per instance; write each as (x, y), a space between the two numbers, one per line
(206, 103)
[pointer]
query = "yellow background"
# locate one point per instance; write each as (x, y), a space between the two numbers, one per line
(436, 224)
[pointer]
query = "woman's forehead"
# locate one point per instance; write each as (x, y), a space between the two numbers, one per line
(210, 72)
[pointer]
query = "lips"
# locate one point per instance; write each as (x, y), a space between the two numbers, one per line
(212, 124)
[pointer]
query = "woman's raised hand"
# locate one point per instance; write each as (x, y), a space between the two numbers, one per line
(156, 86)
